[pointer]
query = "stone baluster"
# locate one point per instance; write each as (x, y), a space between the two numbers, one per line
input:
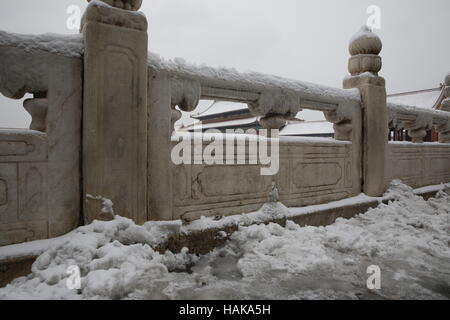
(444, 132)
(272, 122)
(446, 101)
(364, 65)
(37, 108)
(417, 129)
(444, 129)
(342, 125)
(274, 108)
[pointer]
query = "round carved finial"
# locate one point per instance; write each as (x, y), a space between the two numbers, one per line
(364, 48)
(365, 42)
(131, 5)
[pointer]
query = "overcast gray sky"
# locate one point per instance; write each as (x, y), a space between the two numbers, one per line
(301, 39)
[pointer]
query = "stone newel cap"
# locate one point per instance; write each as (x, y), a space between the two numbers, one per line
(132, 5)
(365, 42)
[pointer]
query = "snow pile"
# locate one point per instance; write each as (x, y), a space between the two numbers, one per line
(113, 256)
(408, 239)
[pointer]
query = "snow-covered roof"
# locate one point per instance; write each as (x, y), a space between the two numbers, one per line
(307, 128)
(222, 124)
(219, 107)
(425, 99)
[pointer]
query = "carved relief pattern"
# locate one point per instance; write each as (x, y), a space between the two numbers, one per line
(307, 173)
(32, 191)
(418, 165)
(15, 148)
(3, 192)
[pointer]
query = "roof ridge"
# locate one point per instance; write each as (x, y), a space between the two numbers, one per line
(415, 91)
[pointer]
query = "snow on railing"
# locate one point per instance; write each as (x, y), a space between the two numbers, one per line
(23, 67)
(270, 97)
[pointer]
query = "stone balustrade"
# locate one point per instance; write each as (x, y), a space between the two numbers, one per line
(103, 88)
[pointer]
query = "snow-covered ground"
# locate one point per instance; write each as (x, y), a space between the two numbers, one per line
(409, 239)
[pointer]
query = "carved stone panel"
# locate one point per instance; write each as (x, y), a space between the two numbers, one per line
(309, 173)
(216, 181)
(418, 165)
(408, 168)
(3, 193)
(22, 231)
(8, 192)
(32, 191)
(20, 145)
(440, 166)
(317, 174)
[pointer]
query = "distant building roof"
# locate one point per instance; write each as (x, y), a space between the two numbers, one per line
(221, 108)
(425, 99)
(308, 128)
(231, 124)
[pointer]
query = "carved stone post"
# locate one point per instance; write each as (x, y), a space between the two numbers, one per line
(446, 102)
(364, 65)
(444, 129)
(115, 108)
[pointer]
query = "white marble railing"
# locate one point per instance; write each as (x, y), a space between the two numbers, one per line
(101, 88)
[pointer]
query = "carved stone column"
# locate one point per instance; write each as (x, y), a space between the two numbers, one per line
(444, 132)
(342, 125)
(115, 109)
(37, 108)
(444, 129)
(446, 102)
(364, 65)
(417, 130)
